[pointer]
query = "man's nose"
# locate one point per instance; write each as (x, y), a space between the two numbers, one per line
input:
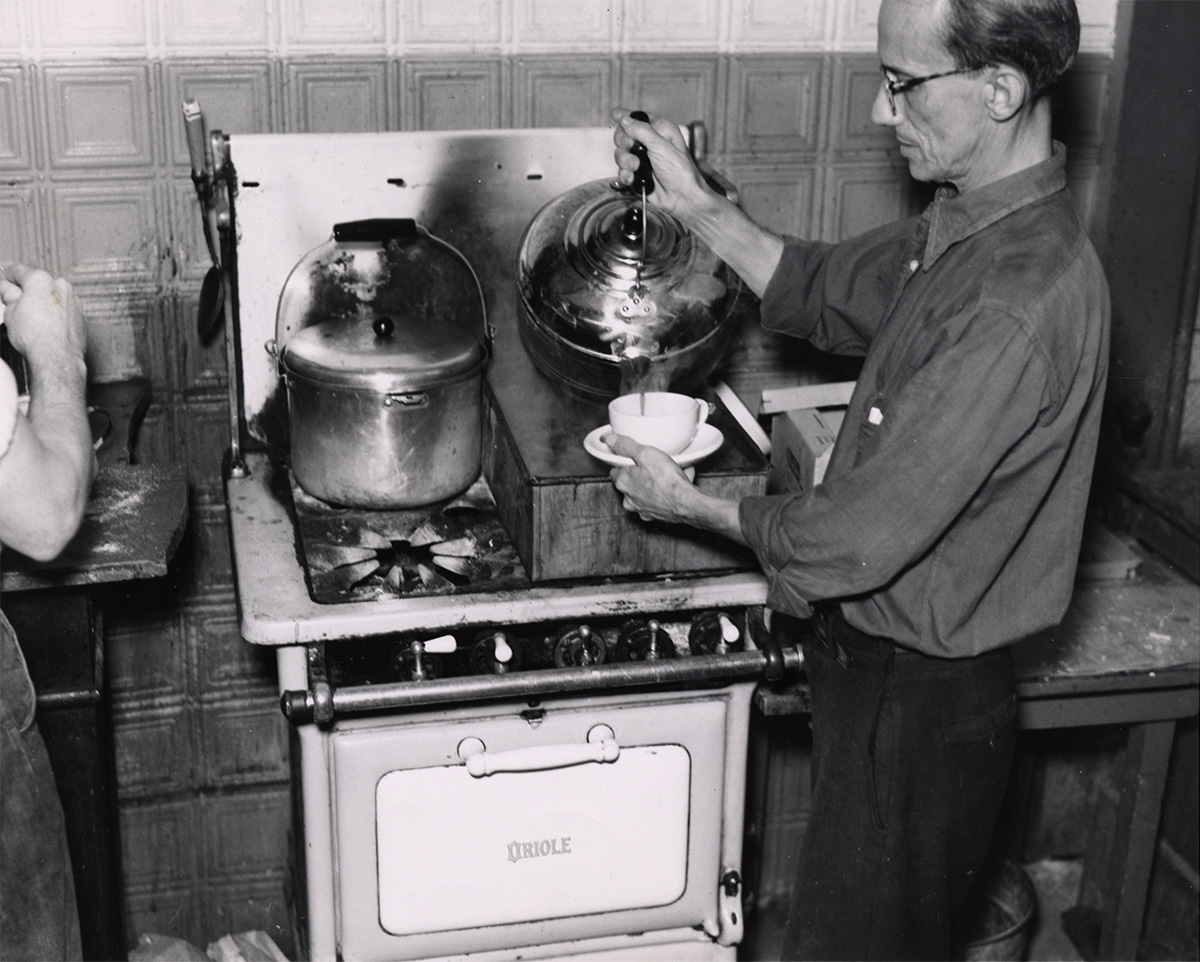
(881, 109)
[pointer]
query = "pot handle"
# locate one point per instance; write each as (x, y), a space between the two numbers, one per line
(415, 399)
(377, 230)
(486, 331)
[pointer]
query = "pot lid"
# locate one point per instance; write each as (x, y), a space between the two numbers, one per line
(383, 352)
(383, 303)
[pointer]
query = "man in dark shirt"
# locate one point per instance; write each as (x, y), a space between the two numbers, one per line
(949, 520)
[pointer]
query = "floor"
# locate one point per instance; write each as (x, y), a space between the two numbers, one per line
(1056, 882)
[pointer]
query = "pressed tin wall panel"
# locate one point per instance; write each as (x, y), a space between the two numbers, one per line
(773, 22)
(562, 91)
(322, 24)
(148, 658)
(66, 27)
(336, 97)
(255, 820)
(156, 839)
(549, 24)
(98, 117)
(479, 22)
(453, 94)
(648, 24)
(224, 664)
(94, 183)
(20, 222)
(774, 104)
(856, 195)
(180, 907)
(126, 338)
(202, 368)
(12, 28)
(780, 197)
(855, 26)
(205, 431)
(107, 232)
(15, 124)
(155, 754)
(244, 743)
(237, 25)
(243, 905)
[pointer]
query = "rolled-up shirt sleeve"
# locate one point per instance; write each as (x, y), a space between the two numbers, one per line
(921, 460)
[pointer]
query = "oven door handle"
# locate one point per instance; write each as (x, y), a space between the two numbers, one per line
(542, 757)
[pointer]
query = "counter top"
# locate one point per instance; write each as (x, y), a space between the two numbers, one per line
(131, 527)
(135, 516)
(1146, 625)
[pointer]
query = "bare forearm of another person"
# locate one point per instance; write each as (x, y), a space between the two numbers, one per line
(47, 471)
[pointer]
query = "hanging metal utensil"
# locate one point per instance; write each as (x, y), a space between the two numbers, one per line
(212, 292)
(215, 183)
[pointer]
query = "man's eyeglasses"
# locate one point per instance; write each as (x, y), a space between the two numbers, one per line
(893, 87)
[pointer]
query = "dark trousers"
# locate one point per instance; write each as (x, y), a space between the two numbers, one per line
(38, 918)
(911, 756)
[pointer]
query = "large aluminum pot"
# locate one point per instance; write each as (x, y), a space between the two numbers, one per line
(383, 368)
(617, 296)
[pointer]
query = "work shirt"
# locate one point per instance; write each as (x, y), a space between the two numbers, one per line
(951, 513)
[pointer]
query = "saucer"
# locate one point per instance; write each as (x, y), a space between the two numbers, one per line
(707, 440)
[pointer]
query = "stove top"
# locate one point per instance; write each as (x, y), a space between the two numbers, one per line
(452, 547)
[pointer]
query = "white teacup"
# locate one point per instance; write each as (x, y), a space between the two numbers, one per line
(659, 419)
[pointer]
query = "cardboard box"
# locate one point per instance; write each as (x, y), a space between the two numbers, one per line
(801, 443)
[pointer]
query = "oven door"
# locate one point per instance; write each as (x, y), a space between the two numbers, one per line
(597, 818)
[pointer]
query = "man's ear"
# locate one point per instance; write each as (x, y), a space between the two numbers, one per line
(1007, 93)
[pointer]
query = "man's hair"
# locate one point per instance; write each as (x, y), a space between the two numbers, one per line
(1038, 37)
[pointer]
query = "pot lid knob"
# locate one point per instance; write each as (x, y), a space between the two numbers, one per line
(383, 326)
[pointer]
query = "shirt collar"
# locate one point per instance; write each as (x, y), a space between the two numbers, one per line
(954, 216)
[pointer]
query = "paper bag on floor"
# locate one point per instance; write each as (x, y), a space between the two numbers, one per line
(254, 946)
(165, 948)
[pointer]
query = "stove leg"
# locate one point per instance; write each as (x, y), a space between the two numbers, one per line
(316, 812)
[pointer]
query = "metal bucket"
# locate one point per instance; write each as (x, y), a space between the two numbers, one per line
(996, 922)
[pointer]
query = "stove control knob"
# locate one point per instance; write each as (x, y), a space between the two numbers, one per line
(578, 647)
(713, 632)
(494, 653)
(644, 641)
(417, 660)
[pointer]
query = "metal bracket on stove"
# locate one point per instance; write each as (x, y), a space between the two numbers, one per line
(322, 702)
(315, 704)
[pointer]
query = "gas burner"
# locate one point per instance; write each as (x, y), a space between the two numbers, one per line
(356, 554)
